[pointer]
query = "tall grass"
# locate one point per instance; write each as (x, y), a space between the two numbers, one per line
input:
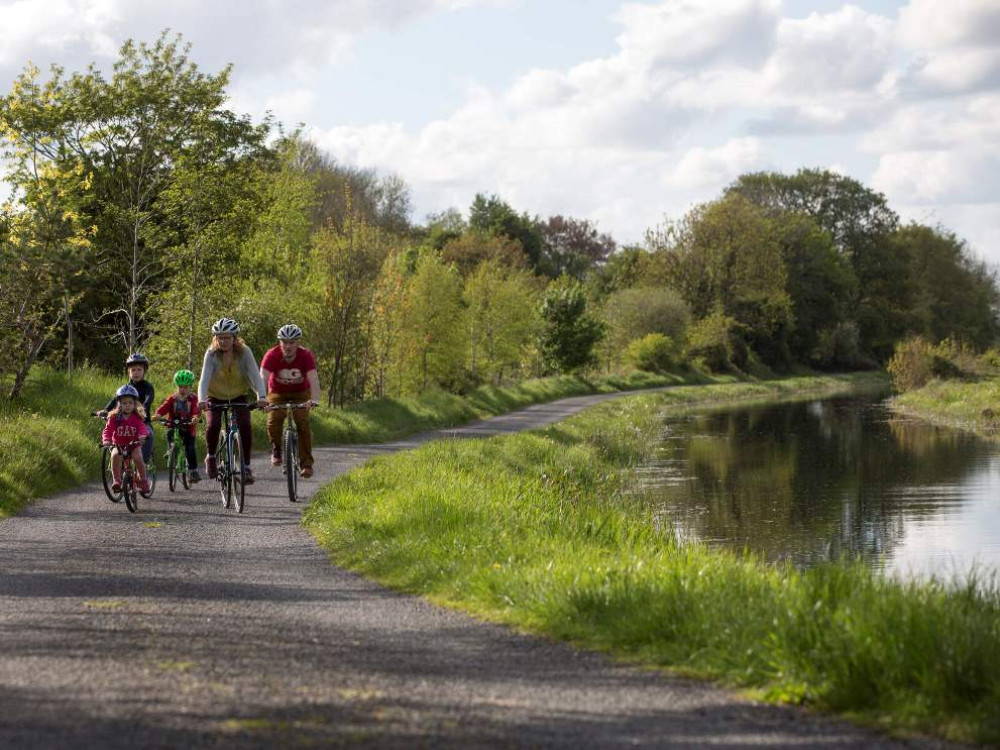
(48, 441)
(539, 530)
(969, 405)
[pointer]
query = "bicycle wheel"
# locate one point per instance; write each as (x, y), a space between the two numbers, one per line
(225, 480)
(172, 466)
(239, 472)
(129, 491)
(182, 469)
(106, 477)
(291, 451)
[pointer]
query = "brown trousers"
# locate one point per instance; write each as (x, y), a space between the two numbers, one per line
(276, 422)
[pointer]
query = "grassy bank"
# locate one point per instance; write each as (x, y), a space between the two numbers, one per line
(48, 441)
(973, 406)
(538, 530)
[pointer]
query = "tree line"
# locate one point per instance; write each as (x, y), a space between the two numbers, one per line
(141, 208)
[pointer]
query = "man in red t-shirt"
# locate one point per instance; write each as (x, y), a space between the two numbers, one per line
(290, 373)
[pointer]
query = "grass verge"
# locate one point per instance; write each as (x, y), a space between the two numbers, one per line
(538, 530)
(48, 441)
(973, 406)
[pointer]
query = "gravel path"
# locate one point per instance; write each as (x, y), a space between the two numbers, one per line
(189, 626)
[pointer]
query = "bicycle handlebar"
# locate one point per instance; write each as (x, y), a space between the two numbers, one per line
(221, 407)
(289, 407)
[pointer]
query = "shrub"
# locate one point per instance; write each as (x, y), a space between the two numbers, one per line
(713, 342)
(654, 352)
(912, 364)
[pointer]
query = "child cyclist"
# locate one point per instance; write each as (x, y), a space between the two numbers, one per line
(137, 365)
(127, 423)
(184, 405)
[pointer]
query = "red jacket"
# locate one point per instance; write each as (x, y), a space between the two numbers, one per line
(176, 407)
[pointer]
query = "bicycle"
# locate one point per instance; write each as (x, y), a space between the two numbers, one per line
(129, 486)
(231, 467)
(290, 447)
(177, 464)
(106, 477)
(106, 468)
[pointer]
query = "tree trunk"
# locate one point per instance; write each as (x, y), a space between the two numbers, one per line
(69, 340)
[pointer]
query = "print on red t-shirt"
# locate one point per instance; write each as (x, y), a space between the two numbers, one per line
(288, 377)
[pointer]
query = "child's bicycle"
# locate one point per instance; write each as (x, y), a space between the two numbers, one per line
(177, 465)
(106, 478)
(130, 480)
(231, 467)
(290, 448)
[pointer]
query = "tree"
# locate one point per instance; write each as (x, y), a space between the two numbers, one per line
(956, 295)
(569, 333)
(473, 248)
(433, 341)
(861, 224)
(572, 247)
(492, 216)
(630, 314)
(44, 238)
(503, 318)
(346, 266)
(726, 256)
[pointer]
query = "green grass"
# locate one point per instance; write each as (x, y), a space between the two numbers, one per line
(538, 530)
(968, 405)
(48, 443)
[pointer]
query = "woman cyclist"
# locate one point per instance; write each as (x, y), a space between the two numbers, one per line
(227, 375)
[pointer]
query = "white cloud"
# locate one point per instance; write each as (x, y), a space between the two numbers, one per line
(711, 167)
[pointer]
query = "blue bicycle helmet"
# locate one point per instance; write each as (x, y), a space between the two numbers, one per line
(127, 390)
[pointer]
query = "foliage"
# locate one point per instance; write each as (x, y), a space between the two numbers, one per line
(632, 313)
(493, 216)
(572, 247)
(569, 332)
(433, 343)
(726, 256)
(502, 315)
(654, 352)
(713, 343)
(468, 251)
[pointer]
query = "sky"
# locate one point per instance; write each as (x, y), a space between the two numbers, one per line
(623, 113)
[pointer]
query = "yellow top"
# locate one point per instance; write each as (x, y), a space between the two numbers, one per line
(227, 382)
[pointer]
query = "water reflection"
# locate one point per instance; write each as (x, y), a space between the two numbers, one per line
(813, 481)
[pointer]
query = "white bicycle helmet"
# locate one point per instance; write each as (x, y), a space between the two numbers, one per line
(289, 332)
(225, 325)
(127, 390)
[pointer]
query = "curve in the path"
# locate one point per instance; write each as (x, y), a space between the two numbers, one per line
(189, 626)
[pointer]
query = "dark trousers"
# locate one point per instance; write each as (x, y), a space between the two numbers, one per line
(214, 425)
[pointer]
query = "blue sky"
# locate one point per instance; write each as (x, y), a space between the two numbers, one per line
(620, 112)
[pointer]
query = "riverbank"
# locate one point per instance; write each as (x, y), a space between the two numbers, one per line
(538, 531)
(48, 440)
(965, 405)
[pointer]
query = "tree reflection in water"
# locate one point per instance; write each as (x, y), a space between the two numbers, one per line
(808, 482)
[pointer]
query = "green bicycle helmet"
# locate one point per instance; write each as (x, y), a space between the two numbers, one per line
(183, 377)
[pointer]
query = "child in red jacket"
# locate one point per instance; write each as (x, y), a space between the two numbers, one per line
(126, 424)
(184, 405)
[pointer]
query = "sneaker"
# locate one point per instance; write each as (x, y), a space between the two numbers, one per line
(306, 472)
(211, 467)
(275, 456)
(146, 487)
(194, 477)
(248, 476)
(116, 487)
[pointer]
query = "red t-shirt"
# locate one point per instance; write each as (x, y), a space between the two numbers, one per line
(288, 377)
(176, 407)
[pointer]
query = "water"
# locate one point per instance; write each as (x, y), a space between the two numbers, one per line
(810, 482)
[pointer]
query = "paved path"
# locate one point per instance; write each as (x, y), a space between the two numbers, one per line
(189, 626)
